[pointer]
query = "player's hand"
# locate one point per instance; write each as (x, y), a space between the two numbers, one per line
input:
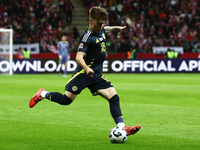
(60, 57)
(121, 28)
(89, 72)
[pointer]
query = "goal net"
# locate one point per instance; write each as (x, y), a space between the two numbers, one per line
(6, 51)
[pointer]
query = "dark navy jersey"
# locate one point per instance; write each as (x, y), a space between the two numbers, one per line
(94, 46)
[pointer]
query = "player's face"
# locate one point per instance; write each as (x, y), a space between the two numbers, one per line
(63, 38)
(96, 25)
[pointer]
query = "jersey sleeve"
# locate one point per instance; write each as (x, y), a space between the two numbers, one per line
(84, 42)
(83, 47)
(58, 48)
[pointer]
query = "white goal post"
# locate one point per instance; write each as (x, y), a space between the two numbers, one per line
(6, 49)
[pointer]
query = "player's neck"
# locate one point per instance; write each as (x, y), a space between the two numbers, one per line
(90, 29)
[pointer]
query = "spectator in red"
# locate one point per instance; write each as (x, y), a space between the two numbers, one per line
(151, 12)
(1, 8)
(48, 28)
(189, 35)
(24, 5)
(162, 15)
(128, 8)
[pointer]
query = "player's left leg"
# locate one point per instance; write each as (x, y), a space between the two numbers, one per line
(60, 71)
(132, 130)
(65, 70)
(103, 87)
(111, 95)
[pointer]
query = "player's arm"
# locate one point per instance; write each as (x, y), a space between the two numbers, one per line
(112, 28)
(68, 50)
(59, 51)
(80, 61)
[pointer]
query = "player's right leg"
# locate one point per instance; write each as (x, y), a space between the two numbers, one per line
(65, 70)
(131, 130)
(57, 97)
(81, 80)
(60, 71)
(35, 98)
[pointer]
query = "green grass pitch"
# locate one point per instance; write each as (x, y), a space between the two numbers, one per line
(167, 106)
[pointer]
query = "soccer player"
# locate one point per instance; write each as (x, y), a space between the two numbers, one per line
(90, 57)
(64, 54)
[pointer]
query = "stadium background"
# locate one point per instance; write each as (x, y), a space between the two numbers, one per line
(154, 24)
(166, 105)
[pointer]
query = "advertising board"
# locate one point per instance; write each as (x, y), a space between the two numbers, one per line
(109, 66)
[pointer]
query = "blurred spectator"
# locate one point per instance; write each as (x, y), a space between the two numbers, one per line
(61, 6)
(171, 54)
(27, 54)
(132, 53)
(69, 9)
(33, 21)
(155, 22)
(74, 32)
(20, 54)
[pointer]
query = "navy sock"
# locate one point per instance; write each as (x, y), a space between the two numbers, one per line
(115, 109)
(58, 98)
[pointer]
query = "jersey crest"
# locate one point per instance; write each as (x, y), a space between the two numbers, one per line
(80, 45)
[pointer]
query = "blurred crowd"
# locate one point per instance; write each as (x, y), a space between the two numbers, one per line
(38, 21)
(149, 23)
(153, 23)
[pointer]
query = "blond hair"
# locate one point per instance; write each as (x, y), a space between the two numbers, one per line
(98, 13)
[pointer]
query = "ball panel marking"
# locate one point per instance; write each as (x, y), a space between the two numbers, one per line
(117, 135)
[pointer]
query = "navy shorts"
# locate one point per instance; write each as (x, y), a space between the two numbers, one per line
(64, 59)
(80, 81)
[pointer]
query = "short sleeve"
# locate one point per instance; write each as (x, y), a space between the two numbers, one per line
(83, 47)
(85, 41)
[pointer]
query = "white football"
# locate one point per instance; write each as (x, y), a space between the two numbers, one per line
(117, 135)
